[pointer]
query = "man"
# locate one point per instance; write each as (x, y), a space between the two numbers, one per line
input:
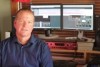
(24, 49)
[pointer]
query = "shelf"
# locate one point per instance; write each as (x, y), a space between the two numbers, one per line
(62, 58)
(86, 54)
(78, 60)
(61, 50)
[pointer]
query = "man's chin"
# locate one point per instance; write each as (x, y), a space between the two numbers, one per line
(24, 35)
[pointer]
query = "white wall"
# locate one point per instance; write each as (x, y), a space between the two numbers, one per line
(5, 17)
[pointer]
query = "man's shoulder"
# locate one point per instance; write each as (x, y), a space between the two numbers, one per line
(6, 40)
(37, 39)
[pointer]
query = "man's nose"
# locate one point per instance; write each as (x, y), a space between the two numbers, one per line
(24, 24)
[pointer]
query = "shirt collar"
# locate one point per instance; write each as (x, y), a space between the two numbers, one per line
(31, 40)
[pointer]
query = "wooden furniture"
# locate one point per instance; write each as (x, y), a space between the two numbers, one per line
(86, 54)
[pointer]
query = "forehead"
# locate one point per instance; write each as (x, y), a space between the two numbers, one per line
(25, 14)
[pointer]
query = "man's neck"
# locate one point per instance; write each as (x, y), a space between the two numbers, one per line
(23, 40)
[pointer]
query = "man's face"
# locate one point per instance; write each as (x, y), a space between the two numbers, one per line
(24, 24)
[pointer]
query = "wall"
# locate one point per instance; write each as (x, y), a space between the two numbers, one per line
(5, 17)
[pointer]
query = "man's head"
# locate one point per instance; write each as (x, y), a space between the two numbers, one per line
(24, 22)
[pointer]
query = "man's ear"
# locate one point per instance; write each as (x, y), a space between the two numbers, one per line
(14, 24)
